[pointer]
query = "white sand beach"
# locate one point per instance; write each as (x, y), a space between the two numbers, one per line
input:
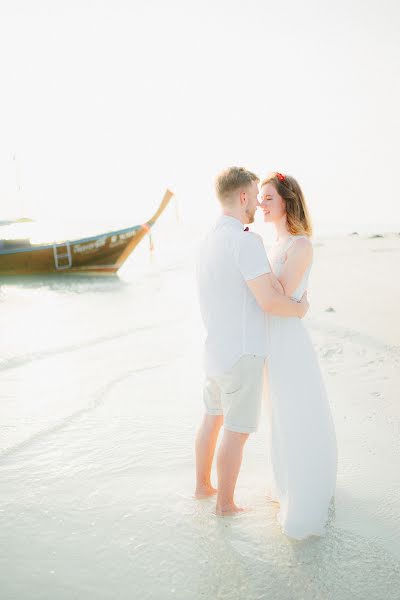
(101, 399)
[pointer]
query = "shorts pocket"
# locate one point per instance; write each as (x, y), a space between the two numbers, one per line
(230, 383)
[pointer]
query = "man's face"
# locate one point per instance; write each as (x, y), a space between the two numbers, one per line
(252, 201)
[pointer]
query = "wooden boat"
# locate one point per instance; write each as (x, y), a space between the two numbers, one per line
(100, 254)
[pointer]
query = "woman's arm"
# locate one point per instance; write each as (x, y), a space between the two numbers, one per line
(276, 284)
(299, 256)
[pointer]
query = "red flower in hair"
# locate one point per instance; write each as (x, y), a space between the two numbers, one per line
(280, 176)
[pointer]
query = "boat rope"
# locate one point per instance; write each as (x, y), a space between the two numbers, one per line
(148, 231)
(177, 212)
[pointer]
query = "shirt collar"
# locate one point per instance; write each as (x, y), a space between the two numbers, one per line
(231, 221)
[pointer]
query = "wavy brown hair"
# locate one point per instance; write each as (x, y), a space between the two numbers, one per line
(297, 215)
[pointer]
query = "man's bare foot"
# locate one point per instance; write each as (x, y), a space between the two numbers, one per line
(205, 492)
(228, 510)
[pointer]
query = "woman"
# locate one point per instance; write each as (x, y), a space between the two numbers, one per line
(301, 435)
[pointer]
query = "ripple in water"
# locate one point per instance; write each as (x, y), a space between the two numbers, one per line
(102, 508)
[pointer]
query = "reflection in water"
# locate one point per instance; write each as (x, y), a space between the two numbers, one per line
(68, 283)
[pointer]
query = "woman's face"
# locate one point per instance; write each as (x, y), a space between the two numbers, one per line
(272, 204)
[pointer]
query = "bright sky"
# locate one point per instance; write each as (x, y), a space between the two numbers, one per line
(107, 103)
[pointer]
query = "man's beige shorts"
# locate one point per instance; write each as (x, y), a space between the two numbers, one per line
(236, 394)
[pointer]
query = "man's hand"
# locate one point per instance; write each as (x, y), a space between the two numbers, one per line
(303, 305)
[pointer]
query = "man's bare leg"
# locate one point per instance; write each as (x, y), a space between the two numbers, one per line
(229, 460)
(206, 441)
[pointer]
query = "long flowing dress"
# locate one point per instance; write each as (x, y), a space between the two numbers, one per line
(302, 446)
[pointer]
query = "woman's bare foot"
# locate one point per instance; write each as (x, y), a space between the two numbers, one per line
(205, 492)
(228, 510)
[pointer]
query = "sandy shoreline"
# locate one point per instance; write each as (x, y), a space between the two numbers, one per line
(357, 277)
(97, 441)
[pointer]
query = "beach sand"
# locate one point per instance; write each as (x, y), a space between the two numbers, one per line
(101, 399)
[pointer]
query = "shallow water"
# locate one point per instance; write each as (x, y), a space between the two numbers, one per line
(101, 399)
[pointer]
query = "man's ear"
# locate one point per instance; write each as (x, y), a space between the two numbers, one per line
(242, 197)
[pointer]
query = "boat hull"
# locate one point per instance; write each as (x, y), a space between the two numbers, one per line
(101, 255)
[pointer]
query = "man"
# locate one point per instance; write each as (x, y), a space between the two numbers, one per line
(236, 288)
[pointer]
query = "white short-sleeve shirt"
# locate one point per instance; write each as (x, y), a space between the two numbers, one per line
(235, 324)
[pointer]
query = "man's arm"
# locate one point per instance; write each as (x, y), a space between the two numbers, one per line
(276, 284)
(271, 301)
(254, 266)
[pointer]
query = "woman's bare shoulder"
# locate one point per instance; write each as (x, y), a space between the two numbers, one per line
(303, 243)
(302, 247)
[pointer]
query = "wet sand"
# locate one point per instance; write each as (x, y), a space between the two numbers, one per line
(98, 421)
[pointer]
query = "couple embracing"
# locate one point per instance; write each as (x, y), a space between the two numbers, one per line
(257, 348)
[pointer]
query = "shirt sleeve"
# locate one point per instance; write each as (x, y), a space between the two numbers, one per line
(252, 259)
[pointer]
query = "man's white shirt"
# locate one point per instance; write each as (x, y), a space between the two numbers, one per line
(235, 324)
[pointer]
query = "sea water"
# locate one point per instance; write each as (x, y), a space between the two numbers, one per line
(101, 398)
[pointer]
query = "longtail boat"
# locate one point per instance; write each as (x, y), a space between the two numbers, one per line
(100, 254)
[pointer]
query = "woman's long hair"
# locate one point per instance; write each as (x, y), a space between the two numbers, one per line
(297, 215)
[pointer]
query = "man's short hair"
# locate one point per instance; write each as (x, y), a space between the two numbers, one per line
(232, 179)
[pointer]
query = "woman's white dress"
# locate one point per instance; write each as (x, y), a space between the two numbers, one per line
(302, 448)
